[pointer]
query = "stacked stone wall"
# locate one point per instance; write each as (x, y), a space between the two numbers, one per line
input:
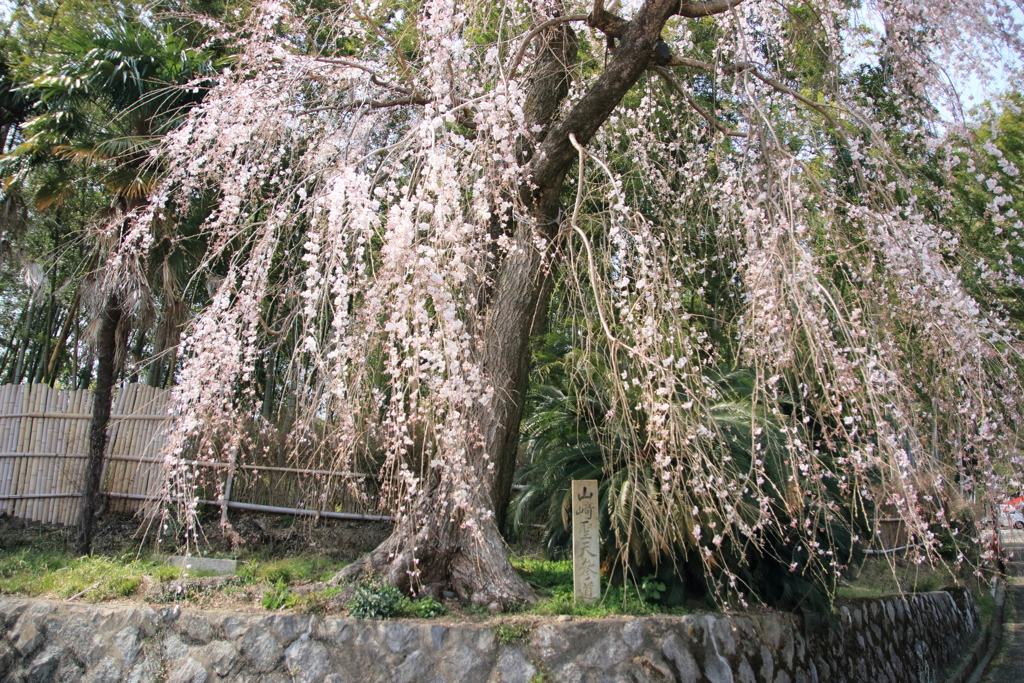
(888, 640)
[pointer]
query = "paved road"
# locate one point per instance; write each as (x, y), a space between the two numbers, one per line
(1008, 664)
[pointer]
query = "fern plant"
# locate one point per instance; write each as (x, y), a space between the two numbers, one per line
(565, 440)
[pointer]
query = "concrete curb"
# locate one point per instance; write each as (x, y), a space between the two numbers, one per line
(973, 664)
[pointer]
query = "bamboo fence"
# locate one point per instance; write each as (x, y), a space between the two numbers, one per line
(44, 440)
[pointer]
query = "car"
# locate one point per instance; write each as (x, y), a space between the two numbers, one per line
(1014, 519)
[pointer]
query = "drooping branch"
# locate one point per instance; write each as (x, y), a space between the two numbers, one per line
(704, 114)
(374, 104)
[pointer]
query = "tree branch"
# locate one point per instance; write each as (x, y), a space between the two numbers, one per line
(374, 77)
(533, 34)
(706, 115)
(604, 21)
(696, 10)
(373, 104)
(740, 67)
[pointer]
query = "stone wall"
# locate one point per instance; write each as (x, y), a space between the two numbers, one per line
(883, 640)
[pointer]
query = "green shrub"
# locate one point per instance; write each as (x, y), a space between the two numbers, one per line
(651, 589)
(376, 599)
(426, 608)
(165, 572)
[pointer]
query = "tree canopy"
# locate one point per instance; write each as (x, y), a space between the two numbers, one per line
(760, 229)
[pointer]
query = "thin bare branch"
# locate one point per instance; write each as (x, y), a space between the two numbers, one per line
(373, 104)
(706, 115)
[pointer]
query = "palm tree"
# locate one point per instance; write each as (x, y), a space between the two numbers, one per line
(106, 102)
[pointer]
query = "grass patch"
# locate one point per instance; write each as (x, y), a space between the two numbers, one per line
(278, 596)
(544, 575)
(880, 576)
(54, 574)
(289, 570)
(986, 603)
(552, 582)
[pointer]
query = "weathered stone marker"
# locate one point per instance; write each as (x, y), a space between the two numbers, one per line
(586, 542)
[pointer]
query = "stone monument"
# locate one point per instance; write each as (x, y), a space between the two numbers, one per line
(586, 542)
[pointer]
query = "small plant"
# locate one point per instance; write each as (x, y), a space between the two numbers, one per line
(277, 597)
(542, 675)
(511, 631)
(427, 608)
(651, 589)
(279, 574)
(376, 599)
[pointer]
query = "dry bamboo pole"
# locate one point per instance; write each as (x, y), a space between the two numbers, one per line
(53, 440)
(72, 471)
(76, 446)
(62, 448)
(49, 470)
(113, 429)
(129, 447)
(19, 463)
(30, 428)
(131, 438)
(158, 435)
(132, 446)
(40, 484)
(42, 392)
(123, 444)
(56, 439)
(116, 430)
(24, 446)
(141, 469)
(66, 424)
(160, 428)
(15, 404)
(154, 443)
(46, 471)
(136, 470)
(5, 437)
(11, 443)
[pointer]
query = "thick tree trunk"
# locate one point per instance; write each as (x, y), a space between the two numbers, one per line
(443, 551)
(106, 350)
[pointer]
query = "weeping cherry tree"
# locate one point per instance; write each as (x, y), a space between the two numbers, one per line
(402, 185)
